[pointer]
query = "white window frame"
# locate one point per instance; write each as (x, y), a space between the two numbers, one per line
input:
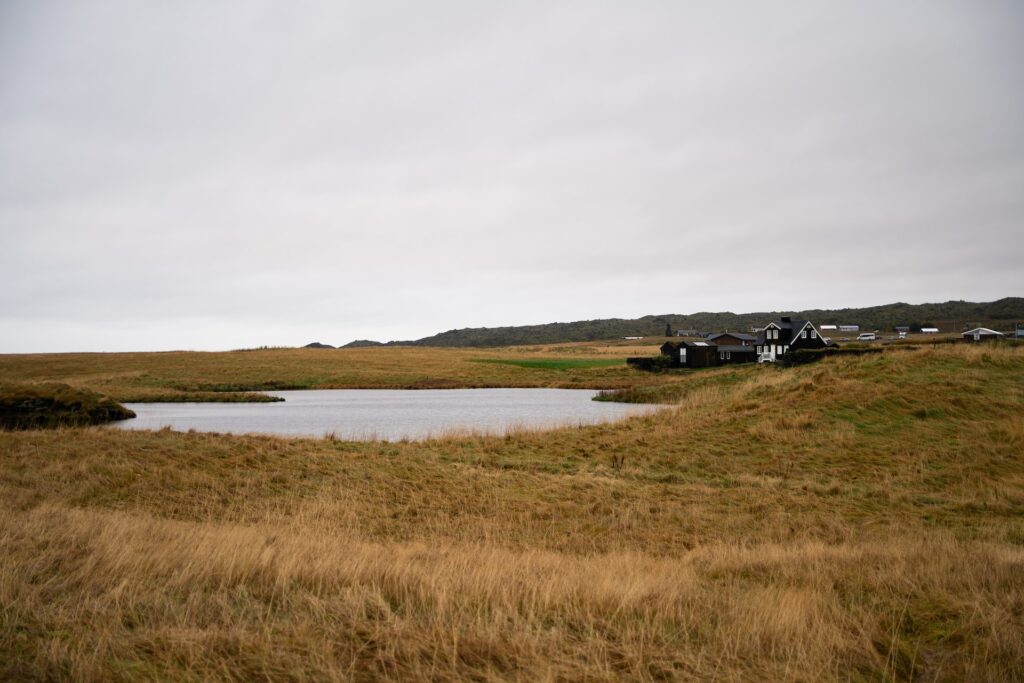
(803, 334)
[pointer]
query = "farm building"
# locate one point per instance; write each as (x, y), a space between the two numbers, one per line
(980, 334)
(690, 333)
(929, 330)
(849, 328)
(725, 348)
(736, 353)
(691, 354)
(781, 337)
(828, 327)
(732, 338)
(902, 328)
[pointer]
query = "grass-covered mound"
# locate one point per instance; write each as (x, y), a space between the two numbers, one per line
(48, 406)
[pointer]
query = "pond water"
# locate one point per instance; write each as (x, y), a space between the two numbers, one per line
(386, 414)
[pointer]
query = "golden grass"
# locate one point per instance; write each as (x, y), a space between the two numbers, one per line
(164, 598)
(874, 530)
(204, 376)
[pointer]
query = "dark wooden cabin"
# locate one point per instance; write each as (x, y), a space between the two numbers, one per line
(691, 354)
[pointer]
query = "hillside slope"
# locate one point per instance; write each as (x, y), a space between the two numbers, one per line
(951, 315)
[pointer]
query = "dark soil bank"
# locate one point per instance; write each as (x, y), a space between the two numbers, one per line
(48, 406)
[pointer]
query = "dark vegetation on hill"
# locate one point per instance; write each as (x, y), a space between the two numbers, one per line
(52, 405)
(949, 316)
(317, 345)
(358, 343)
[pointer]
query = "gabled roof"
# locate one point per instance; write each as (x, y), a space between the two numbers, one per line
(735, 335)
(982, 330)
(690, 344)
(788, 328)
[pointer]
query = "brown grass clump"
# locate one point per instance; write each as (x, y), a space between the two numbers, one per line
(854, 519)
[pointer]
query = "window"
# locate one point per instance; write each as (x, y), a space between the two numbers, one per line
(682, 355)
(814, 334)
(804, 333)
(728, 355)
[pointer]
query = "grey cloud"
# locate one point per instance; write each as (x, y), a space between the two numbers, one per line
(213, 175)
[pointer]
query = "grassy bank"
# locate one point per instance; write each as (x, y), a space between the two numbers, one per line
(859, 518)
(52, 405)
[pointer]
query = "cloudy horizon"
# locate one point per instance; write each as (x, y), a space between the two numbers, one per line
(230, 175)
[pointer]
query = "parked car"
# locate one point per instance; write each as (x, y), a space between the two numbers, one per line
(866, 336)
(765, 358)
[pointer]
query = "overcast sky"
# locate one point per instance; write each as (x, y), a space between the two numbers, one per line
(214, 175)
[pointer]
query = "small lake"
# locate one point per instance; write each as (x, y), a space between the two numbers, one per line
(365, 414)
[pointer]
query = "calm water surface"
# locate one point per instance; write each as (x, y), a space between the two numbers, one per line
(386, 414)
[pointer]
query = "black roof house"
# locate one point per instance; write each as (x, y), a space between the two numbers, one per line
(787, 335)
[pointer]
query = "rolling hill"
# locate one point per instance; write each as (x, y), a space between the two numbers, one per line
(949, 316)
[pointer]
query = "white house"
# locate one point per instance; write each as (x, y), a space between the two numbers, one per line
(981, 334)
(929, 330)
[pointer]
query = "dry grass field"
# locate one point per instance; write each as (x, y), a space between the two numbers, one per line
(226, 376)
(855, 519)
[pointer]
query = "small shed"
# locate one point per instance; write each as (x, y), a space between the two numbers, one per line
(980, 334)
(698, 354)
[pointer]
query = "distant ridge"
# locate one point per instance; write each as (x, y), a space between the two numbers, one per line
(360, 343)
(317, 345)
(949, 316)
